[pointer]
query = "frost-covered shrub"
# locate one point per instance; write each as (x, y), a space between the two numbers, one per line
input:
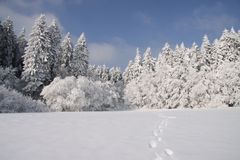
(7, 77)
(80, 94)
(13, 101)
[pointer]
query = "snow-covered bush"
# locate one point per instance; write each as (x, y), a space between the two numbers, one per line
(13, 101)
(80, 94)
(8, 78)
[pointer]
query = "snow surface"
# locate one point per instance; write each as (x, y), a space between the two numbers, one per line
(134, 135)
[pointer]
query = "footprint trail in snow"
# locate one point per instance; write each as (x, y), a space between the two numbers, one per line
(157, 143)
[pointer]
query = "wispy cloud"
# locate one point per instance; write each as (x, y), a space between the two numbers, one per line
(208, 18)
(111, 53)
(23, 20)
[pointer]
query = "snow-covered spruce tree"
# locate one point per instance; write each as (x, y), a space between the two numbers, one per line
(9, 44)
(66, 56)
(195, 57)
(1, 44)
(206, 51)
(128, 73)
(37, 58)
(228, 47)
(115, 75)
(80, 57)
(55, 39)
(137, 65)
(165, 57)
(103, 73)
(148, 62)
(91, 73)
(22, 43)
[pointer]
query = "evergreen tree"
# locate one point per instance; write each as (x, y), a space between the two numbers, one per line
(105, 76)
(165, 57)
(1, 44)
(55, 38)
(148, 61)
(228, 47)
(9, 44)
(195, 57)
(91, 72)
(206, 51)
(137, 65)
(21, 43)
(115, 75)
(80, 57)
(66, 56)
(128, 73)
(37, 58)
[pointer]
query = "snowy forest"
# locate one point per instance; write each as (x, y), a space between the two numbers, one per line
(47, 72)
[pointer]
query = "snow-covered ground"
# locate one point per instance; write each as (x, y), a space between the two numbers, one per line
(134, 135)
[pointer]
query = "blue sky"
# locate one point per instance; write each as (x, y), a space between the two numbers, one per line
(114, 28)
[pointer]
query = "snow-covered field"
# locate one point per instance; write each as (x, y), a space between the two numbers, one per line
(134, 135)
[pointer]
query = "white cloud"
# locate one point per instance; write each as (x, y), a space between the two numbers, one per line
(117, 52)
(102, 52)
(22, 20)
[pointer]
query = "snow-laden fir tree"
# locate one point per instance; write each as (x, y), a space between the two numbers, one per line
(80, 58)
(206, 51)
(105, 73)
(115, 74)
(22, 43)
(137, 64)
(128, 73)
(37, 58)
(9, 44)
(195, 57)
(1, 44)
(66, 56)
(55, 37)
(228, 47)
(165, 57)
(91, 72)
(148, 62)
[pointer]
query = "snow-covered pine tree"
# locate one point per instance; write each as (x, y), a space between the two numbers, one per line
(1, 44)
(165, 57)
(21, 43)
(128, 73)
(137, 64)
(37, 58)
(66, 56)
(91, 73)
(55, 38)
(195, 57)
(228, 47)
(115, 74)
(9, 43)
(80, 58)
(206, 51)
(105, 76)
(214, 49)
(148, 61)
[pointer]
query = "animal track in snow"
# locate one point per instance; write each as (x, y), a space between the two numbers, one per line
(155, 133)
(158, 157)
(168, 152)
(165, 153)
(159, 139)
(153, 144)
